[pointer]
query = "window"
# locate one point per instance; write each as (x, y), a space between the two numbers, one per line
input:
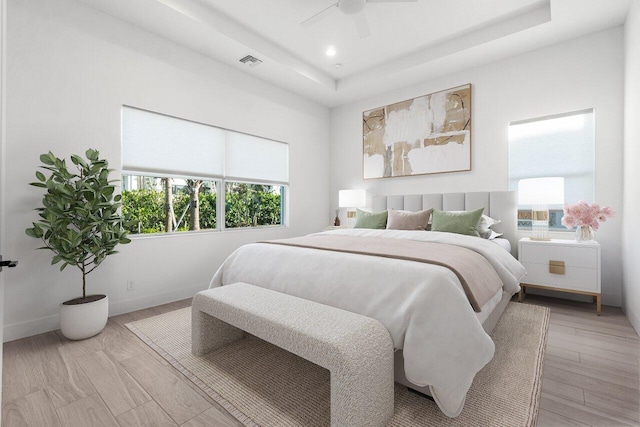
(152, 204)
(561, 145)
(174, 170)
(253, 205)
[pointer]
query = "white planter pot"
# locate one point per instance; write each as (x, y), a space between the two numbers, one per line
(80, 321)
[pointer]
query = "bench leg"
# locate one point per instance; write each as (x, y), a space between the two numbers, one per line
(361, 396)
(209, 333)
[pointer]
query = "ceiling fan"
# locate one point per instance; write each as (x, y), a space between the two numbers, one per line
(355, 8)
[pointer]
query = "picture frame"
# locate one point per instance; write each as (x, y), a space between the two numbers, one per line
(425, 135)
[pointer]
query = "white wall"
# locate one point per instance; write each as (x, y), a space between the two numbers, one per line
(630, 241)
(3, 51)
(70, 69)
(575, 75)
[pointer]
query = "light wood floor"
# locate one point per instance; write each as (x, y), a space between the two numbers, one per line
(591, 376)
(591, 367)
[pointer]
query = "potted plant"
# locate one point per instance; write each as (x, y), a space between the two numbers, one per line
(80, 223)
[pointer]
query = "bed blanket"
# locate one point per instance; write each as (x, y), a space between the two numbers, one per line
(423, 306)
(477, 276)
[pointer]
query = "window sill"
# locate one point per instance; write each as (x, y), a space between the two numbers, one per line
(204, 232)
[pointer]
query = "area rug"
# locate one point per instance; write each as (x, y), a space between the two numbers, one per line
(263, 385)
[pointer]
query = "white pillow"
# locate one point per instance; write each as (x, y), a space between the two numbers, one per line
(490, 233)
(487, 222)
(484, 228)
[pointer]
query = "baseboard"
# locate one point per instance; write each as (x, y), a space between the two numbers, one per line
(28, 328)
(613, 300)
(130, 305)
(634, 318)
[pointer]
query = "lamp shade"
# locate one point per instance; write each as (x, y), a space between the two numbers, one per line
(352, 198)
(541, 191)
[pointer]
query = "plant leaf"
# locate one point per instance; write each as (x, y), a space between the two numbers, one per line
(79, 221)
(46, 158)
(92, 155)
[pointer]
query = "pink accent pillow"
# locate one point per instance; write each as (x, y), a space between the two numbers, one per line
(406, 220)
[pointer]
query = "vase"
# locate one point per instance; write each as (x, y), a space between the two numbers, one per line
(83, 318)
(585, 233)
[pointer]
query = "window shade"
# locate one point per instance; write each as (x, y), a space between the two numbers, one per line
(158, 143)
(154, 142)
(558, 146)
(250, 157)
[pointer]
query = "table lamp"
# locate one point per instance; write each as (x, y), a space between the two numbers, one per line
(539, 193)
(352, 199)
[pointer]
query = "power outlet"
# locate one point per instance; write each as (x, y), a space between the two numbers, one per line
(130, 285)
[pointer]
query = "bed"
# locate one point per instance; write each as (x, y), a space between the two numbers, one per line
(441, 341)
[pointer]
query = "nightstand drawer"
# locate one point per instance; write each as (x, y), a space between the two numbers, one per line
(572, 256)
(575, 278)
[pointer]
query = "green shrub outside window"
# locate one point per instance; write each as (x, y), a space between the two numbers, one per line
(165, 204)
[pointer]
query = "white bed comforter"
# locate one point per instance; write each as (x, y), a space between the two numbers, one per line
(422, 305)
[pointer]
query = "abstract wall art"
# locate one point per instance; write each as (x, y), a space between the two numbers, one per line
(424, 135)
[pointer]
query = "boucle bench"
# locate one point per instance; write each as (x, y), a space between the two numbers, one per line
(357, 350)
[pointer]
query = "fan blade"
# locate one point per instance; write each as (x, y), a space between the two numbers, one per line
(319, 16)
(360, 19)
(391, 1)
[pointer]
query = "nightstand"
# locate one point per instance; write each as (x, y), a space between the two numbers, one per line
(561, 265)
(335, 227)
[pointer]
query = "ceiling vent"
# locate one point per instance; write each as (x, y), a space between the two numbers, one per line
(251, 61)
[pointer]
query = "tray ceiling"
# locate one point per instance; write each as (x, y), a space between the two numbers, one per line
(409, 42)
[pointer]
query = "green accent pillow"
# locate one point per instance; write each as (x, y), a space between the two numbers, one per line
(457, 222)
(371, 219)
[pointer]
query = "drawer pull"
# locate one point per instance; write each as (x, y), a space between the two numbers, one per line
(556, 267)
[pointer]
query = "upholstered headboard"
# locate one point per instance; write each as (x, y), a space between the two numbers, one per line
(500, 205)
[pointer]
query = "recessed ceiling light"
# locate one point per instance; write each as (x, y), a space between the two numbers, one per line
(338, 65)
(331, 51)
